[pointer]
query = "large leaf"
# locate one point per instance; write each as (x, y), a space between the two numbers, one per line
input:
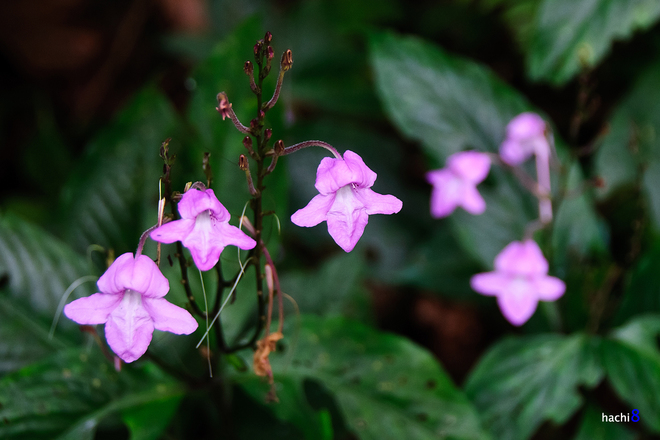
(630, 154)
(385, 386)
(71, 393)
(112, 195)
(569, 35)
(642, 289)
(632, 362)
(522, 382)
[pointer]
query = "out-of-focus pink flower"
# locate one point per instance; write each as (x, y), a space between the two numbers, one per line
(520, 281)
(131, 305)
(345, 200)
(456, 185)
(525, 136)
(203, 228)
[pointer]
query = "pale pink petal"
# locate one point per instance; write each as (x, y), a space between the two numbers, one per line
(195, 201)
(129, 328)
(376, 203)
(363, 176)
(171, 232)
(515, 152)
(489, 283)
(108, 282)
(517, 308)
(446, 192)
(521, 258)
(145, 278)
(169, 318)
(347, 230)
(525, 125)
(472, 201)
(315, 212)
(231, 235)
(328, 172)
(549, 288)
(93, 309)
(471, 166)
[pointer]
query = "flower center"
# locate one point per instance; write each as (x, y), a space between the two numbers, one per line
(204, 220)
(520, 286)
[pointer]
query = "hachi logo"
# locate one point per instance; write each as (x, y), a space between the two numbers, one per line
(621, 418)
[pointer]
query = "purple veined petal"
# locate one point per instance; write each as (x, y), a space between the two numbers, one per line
(203, 242)
(525, 125)
(231, 235)
(315, 212)
(363, 176)
(517, 308)
(489, 283)
(446, 193)
(376, 203)
(195, 201)
(93, 309)
(472, 201)
(523, 258)
(347, 218)
(145, 278)
(169, 318)
(549, 288)
(129, 328)
(173, 231)
(471, 166)
(112, 281)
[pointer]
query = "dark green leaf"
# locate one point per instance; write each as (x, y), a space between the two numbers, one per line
(385, 386)
(592, 426)
(523, 381)
(642, 291)
(569, 35)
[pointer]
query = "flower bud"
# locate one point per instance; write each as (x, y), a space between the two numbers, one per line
(223, 105)
(243, 162)
(268, 133)
(254, 124)
(271, 53)
(257, 48)
(262, 114)
(287, 60)
(268, 38)
(279, 148)
(248, 69)
(247, 142)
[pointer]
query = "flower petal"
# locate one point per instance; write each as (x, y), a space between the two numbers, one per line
(489, 283)
(315, 212)
(522, 258)
(471, 166)
(129, 328)
(549, 288)
(517, 308)
(169, 318)
(231, 235)
(515, 152)
(472, 201)
(333, 174)
(347, 218)
(376, 203)
(525, 125)
(446, 193)
(171, 232)
(108, 282)
(363, 176)
(195, 201)
(93, 309)
(145, 278)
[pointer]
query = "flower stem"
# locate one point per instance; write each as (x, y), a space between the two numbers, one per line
(305, 144)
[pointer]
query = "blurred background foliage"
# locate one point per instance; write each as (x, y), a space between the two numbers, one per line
(388, 341)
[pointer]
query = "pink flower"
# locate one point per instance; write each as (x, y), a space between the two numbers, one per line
(525, 136)
(131, 305)
(345, 200)
(520, 281)
(203, 228)
(456, 185)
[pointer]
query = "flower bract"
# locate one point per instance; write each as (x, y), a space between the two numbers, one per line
(131, 305)
(456, 185)
(203, 228)
(346, 200)
(525, 136)
(520, 281)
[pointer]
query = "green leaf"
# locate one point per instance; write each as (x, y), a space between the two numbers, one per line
(148, 421)
(569, 35)
(632, 362)
(112, 196)
(642, 288)
(385, 386)
(69, 394)
(521, 382)
(446, 102)
(630, 154)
